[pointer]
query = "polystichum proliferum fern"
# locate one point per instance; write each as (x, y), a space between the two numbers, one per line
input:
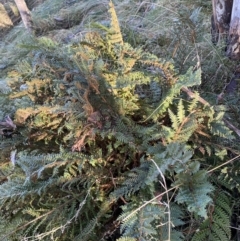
(117, 151)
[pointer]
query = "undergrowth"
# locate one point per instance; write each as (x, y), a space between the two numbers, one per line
(116, 135)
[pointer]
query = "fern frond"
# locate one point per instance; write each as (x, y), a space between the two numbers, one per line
(134, 181)
(189, 79)
(217, 225)
(181, 115)
(116, 35)
(126, 239)
(194, 189)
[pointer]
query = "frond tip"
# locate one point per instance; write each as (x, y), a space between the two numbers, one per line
(116, 35)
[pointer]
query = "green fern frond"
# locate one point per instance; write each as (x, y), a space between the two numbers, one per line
(229, 177)
(126, 239)
(219, 128)
(173, 158)
(141, 224)
(194, 189)
(87, 231)
(189, 79)
(174, 119)
(181, 114)
(193, 103)
(116, 35)
(134, 181)
(217, 225)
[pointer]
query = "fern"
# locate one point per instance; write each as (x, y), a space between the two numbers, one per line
(173, 158)
(126, 239)
(216, 226)
(134, 181)
(189, 79)
(150, 223)
(229, 176)
(141, 225)
(41, 174)
(107, 145)
(194, 191)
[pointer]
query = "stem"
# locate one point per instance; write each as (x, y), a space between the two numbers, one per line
(150, 201)
(164, 185)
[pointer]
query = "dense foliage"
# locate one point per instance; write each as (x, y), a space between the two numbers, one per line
(104, 140)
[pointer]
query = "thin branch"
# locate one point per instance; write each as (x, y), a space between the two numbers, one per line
(224, 164)
(150, 201)
(34, 220)
(62, 227)
(164, 185)
(193, 95)
(232, 127)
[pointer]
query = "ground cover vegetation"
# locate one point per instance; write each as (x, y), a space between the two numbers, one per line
(118, 123)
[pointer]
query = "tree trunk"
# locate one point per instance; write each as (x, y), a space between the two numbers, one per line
(25, 14)
(220, 19)
(233, 49)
